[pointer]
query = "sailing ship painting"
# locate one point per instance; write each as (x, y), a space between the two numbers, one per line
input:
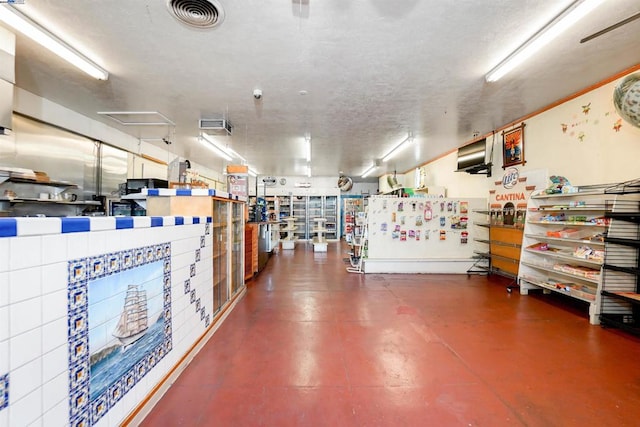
(126, 323)
(133, 323)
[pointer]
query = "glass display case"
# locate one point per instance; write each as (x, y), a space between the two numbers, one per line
(237, 245)
(219, 231)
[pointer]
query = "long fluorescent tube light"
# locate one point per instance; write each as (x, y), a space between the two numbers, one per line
(235, 154)
(559, 24)
(22, 23)
(308, 170)
(208, 142)
(368, 171)
(398, 148)
(252, 172)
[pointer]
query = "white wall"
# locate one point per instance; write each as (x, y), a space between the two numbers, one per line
(604, 155)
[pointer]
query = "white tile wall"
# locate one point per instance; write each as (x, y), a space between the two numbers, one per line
(54, 335)
(103, 223)
(25, 316)
(24, 348)
(24, 283)
(55, 363)
(77, 245)
(142, 221)
(4, 324)
(25, 379)
(33, 311)
(26, 410)
(4, 358)
(54, 248)
(4, 288)
(4, 249)
(54, 277)
(25, 252)
(54, 306)
(58, 415)
(33, 226)
(55, 391)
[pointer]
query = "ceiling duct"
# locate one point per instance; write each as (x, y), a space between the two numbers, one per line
(216, 124)
(197, 13)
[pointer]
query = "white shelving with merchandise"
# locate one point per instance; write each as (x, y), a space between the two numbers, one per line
(563, 246)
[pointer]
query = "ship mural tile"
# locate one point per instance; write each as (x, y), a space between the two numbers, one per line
(119, 326)
(4, 391)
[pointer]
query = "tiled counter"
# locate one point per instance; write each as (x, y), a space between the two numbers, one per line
(69, 355)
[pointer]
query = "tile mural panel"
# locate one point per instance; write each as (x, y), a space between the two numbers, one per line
(119, 325)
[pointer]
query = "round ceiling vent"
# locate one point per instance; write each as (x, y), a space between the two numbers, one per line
(197, 13)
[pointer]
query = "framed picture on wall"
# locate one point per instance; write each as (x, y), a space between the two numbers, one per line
(513, 147)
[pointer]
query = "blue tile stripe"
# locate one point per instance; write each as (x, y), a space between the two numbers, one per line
(76, 225)
(9, 226)
(123, 222)
(167, 192)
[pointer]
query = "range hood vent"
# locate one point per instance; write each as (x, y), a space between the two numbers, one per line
(7, 78)
(216, 124)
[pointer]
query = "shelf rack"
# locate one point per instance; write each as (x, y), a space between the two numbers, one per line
(289, 241)
(621, 269)
(319, 242)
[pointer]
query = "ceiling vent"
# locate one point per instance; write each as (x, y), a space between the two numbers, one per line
(197, 13)
(216, 124)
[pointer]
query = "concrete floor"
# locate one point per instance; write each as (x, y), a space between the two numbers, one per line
(313, 345)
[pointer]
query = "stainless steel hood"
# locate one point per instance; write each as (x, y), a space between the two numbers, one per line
(7, 78)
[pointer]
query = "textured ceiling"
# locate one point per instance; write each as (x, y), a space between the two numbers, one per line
(372, 71)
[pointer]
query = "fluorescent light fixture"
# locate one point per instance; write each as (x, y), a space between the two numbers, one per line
(398, 148)
(559, 24)
(208, 142)
(235, 154)
(309, 170)
(307, 146)
(252, 172)
(25, 25)
(368, 171)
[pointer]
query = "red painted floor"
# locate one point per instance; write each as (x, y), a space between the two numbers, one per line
(313, 345)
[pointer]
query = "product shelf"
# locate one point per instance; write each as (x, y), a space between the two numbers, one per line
(566, 257)
(549, 269)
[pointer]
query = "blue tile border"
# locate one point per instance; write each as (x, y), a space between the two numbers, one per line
(4, 391)
(123, 222)
(82, 224)
(75, 225)
(168, 192)
(8, 227)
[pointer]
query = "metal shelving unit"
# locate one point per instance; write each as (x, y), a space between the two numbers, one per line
(621, 283)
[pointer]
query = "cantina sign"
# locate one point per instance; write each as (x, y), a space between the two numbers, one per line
(510, 197)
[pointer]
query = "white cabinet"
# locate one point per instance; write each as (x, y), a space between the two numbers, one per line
(563, 247)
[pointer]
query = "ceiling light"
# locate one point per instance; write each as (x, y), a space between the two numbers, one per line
(368, 171)
(563, 21)
(308, 148)
(398, 148)
(22, 23)
(208, 142)
(309, 170)
(235, 154)
(252, 172)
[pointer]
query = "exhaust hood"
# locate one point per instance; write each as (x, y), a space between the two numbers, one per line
(7, 78)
